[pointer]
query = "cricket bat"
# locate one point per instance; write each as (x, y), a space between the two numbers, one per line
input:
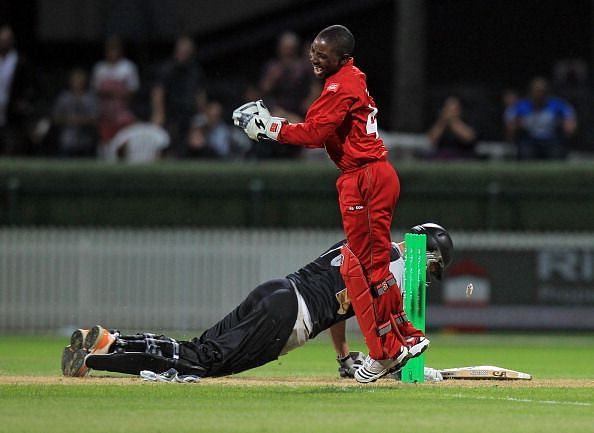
(484, 372)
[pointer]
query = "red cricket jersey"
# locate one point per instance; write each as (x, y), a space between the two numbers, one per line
(342, 120)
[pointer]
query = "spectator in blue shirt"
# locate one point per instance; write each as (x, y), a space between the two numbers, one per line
(540, 124)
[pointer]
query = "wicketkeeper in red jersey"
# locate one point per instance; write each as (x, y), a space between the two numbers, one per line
(343, 120)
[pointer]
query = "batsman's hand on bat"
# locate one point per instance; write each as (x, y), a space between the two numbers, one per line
(350, 364)
(256, 121)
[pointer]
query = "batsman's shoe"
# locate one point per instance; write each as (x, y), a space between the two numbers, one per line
(77, 339)
(73, 362)
(98, 340)
(372, 369)
(417, 345)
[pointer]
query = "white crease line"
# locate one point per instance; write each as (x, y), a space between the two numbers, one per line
(523, 400)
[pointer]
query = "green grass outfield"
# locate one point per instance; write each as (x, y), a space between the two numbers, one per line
(302, 393)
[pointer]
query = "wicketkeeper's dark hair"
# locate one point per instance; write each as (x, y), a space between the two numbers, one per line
(341, 39)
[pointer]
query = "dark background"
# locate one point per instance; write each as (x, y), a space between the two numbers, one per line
(475, 49)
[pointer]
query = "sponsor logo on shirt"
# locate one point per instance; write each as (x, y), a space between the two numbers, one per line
(333, 87)
(343, 301)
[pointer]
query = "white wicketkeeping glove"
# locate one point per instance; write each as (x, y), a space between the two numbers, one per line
(256, 121)
(243, 114)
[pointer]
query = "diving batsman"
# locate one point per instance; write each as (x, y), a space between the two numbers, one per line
(276, 317)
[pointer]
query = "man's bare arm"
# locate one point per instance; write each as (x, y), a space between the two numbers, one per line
(338, 335)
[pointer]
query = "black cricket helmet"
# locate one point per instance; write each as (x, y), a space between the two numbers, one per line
(439, 246)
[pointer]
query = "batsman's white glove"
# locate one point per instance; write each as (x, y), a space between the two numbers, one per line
(350, 364)
(256, 121)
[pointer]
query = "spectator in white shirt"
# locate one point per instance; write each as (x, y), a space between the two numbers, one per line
(115, 81)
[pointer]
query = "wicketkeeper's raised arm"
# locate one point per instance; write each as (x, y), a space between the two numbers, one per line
(313, 132)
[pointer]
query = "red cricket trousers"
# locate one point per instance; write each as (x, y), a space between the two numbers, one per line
(367, 197)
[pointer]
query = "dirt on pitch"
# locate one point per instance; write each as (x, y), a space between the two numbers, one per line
(298, 381)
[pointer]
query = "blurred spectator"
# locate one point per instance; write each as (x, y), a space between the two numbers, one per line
(540, 124)
(196, 143)
(286, 81)
(74, 115)
(508, 98)
(16, 94)
(570, 73)
(451, 136)
(286, 86)
(115, 81)
(209, 135)
(139, 142)
(179, 90)
(251, 92)
(248, 148)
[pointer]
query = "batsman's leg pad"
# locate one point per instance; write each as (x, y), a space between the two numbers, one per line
(149, 343)
(129, 363)
(135, 362)
(363, 304)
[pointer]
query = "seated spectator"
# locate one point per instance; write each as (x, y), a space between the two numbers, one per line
(540, 124)
(451, 136)
(139, 142)
(115, 81)
(74, 115)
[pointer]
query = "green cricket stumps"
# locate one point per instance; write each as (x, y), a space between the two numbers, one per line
(415, 280)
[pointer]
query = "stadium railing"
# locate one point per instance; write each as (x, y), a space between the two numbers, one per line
(187, 279)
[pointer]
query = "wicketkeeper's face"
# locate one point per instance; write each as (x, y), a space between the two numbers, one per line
(324, 58)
